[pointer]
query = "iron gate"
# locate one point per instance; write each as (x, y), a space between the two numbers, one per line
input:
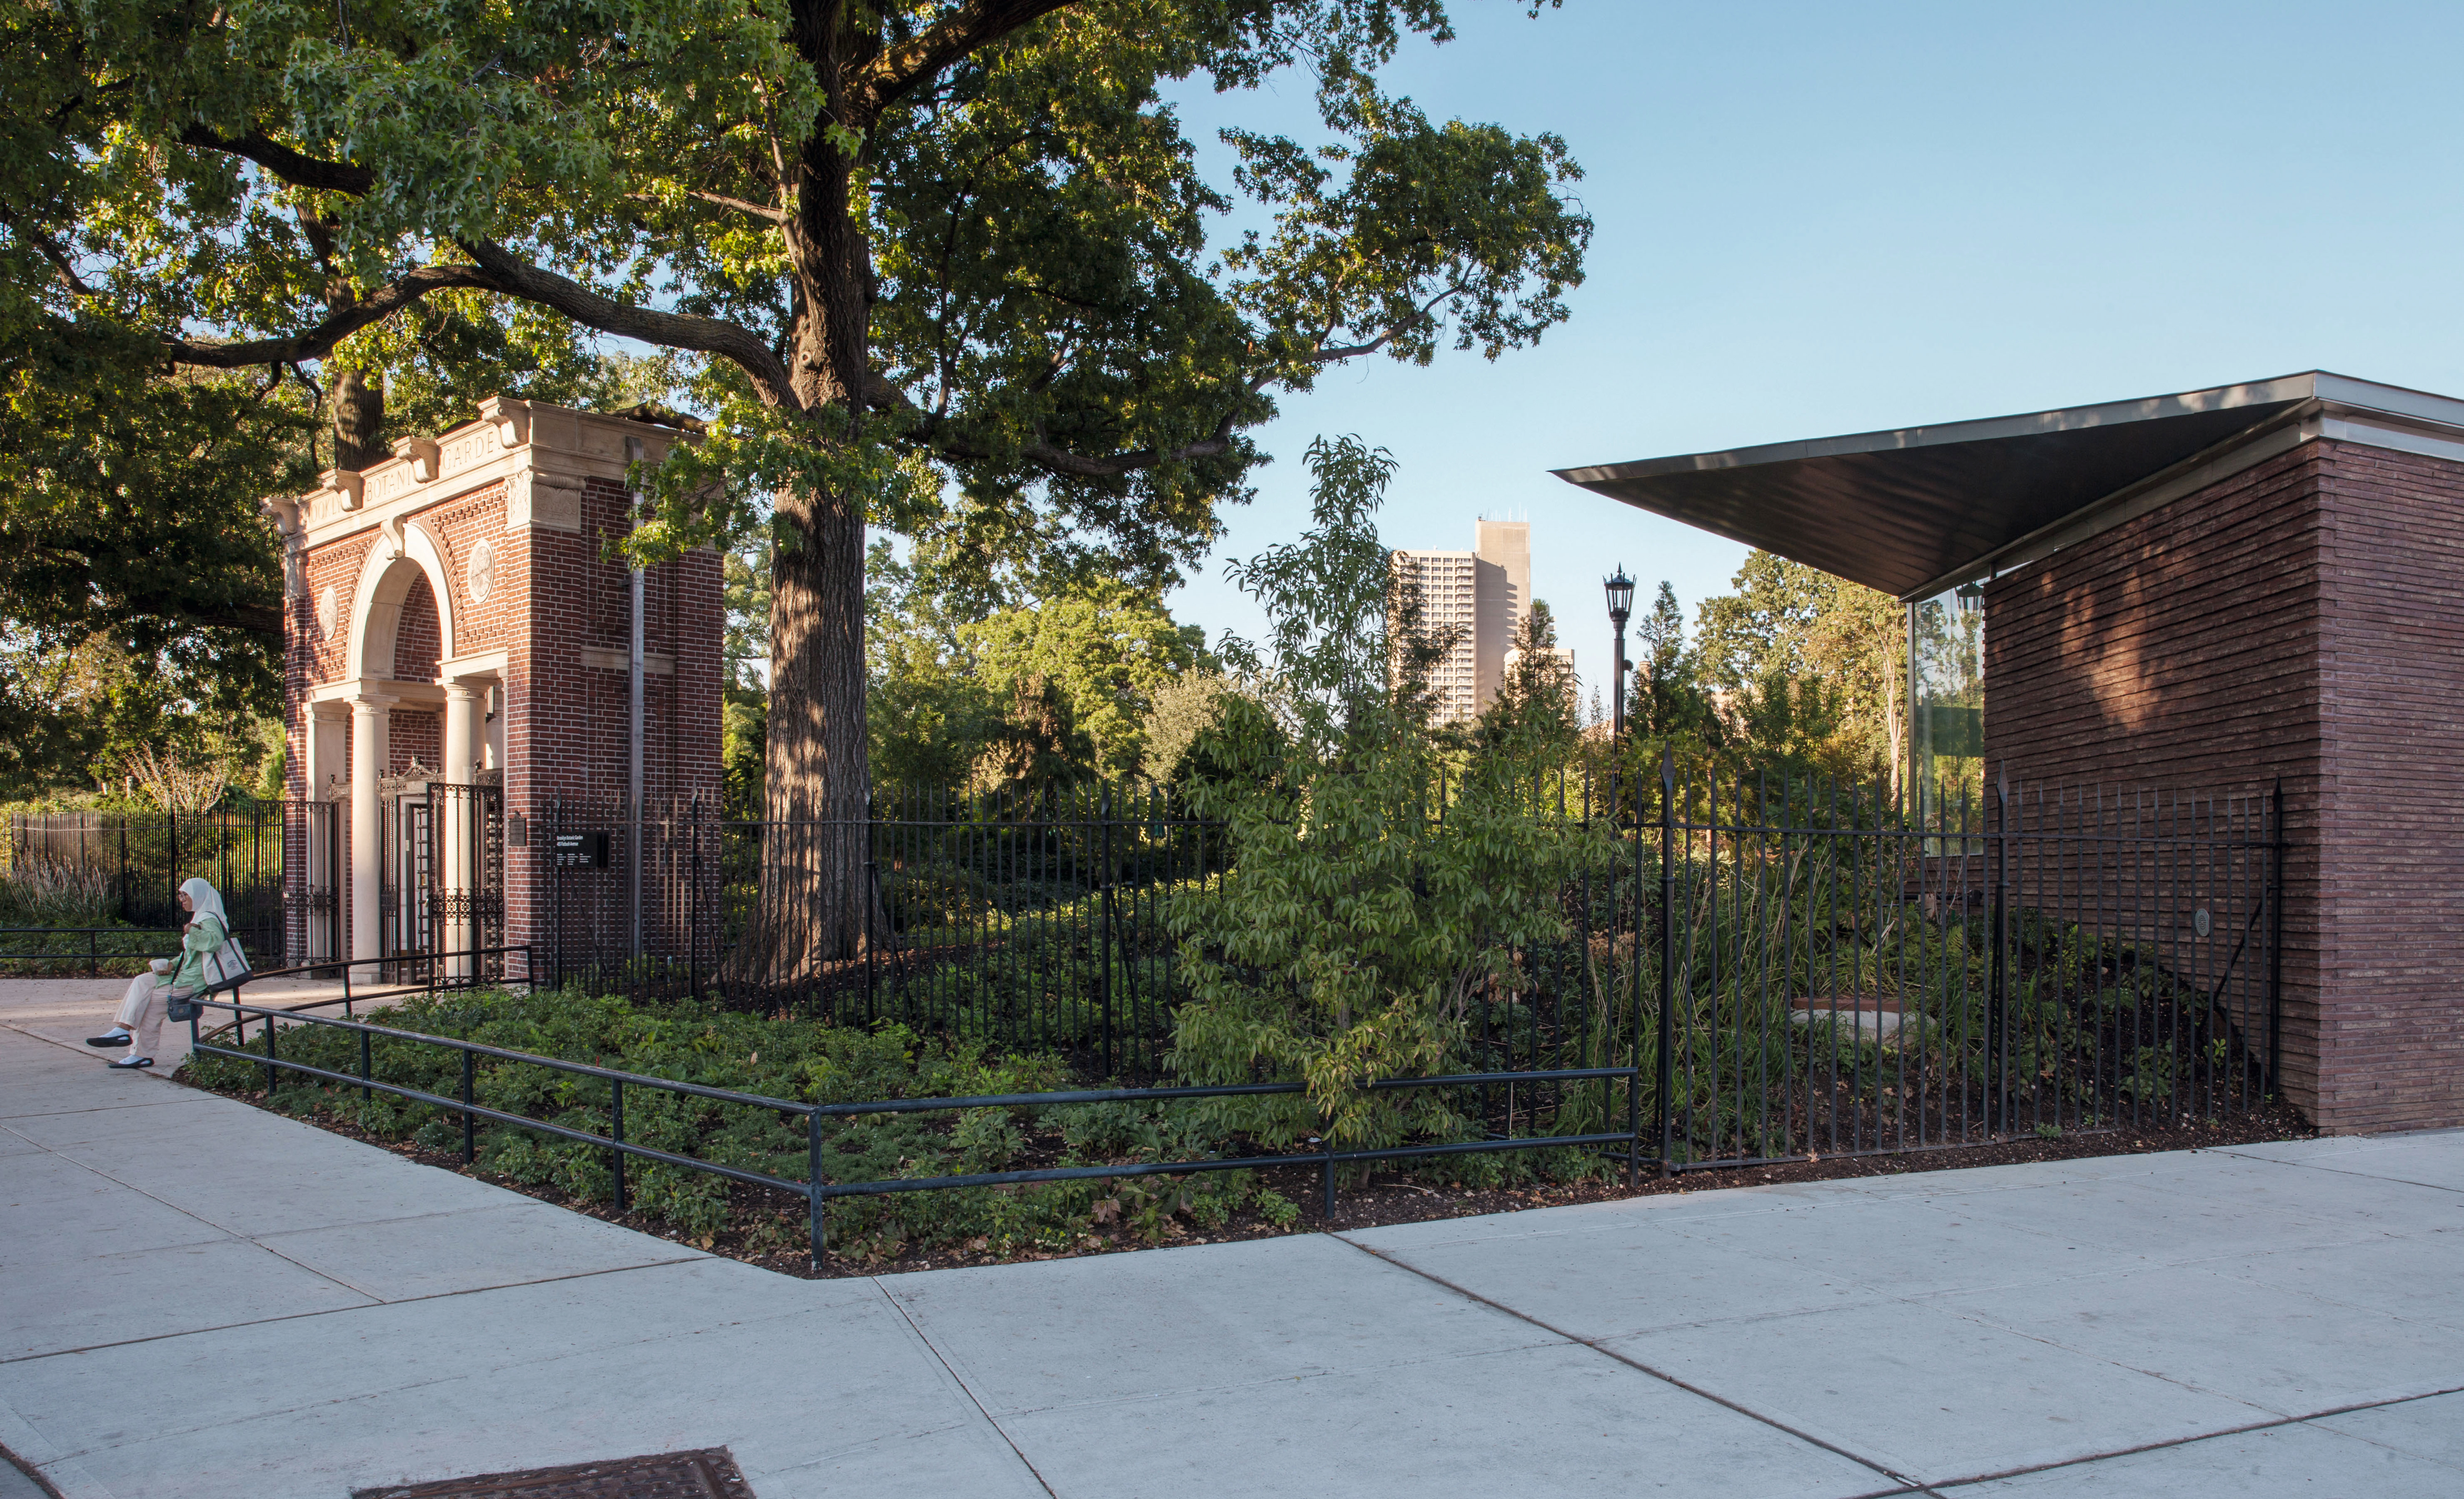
(311, 866)
(441, 884)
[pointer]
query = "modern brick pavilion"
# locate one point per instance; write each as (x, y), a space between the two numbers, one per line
(451, 623)
(2211, 591)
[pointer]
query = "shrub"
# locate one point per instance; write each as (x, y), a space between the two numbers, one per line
(787, 1059)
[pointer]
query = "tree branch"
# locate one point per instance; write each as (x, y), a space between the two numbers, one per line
(1322, 355)
(318, 342)
(50, 250)
(295, 167)
(731, 341)
(886, 78)
(1077, 466)
(721, 200)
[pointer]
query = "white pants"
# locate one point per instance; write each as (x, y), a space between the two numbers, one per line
(141, 1011)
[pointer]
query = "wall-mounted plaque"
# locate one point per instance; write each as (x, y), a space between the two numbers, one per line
(581, 849)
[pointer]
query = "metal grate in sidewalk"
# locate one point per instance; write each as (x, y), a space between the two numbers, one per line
(708, 1473)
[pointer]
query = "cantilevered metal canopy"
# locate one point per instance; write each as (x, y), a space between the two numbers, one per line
(1919, 509)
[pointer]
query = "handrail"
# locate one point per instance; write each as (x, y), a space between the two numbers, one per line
(348, 998)
(814, 1189)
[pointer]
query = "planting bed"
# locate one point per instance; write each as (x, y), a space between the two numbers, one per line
(759, 1220)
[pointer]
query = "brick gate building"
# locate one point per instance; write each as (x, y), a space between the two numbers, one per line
(2224, 588)
(451, 623)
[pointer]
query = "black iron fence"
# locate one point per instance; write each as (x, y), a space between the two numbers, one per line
(1832, 980)
(1802, 968)
(1748, 970)
(1037, 920)
(274, 863)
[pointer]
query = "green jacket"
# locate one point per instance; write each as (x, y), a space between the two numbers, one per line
(204, 935)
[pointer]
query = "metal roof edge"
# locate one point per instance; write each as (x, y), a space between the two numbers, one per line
(2252, 445)
(2423, 422)
(2399, 401)
(2300, 386)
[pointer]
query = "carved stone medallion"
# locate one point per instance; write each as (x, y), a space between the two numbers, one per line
(479, 576)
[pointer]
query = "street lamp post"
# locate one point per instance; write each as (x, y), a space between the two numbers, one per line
(1621, 592)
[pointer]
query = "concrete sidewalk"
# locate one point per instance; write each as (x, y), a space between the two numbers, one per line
(67, 1010)
(198, 1298)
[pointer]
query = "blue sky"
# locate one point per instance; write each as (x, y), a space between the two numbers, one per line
(1819, 218)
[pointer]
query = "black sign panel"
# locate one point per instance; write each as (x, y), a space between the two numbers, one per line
(581, 849)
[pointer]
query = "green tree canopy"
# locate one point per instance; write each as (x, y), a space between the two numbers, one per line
(1108, 649)
(1815, 667)
(907, 251)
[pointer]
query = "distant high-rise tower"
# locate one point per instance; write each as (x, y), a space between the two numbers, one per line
(1481, 598)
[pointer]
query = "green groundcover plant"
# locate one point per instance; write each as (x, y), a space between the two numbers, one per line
(779, 1058)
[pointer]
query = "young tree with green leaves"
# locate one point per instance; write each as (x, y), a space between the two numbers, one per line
(1355, 928)
(1668, 706)
(910, 248)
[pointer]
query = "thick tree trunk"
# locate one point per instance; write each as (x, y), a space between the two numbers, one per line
(815, 867)
(818, 910)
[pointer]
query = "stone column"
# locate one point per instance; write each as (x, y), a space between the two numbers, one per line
(328, 762)
(460, 808)
(371, 746)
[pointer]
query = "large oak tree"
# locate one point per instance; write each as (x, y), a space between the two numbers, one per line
(932, 264)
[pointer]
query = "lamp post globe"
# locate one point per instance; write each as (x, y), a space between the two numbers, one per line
(1619, 589)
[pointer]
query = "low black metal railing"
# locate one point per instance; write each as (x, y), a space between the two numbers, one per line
(1792, 968)
(437, 981)
(815, 1189)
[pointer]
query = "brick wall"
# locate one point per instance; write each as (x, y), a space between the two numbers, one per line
(459, 527)
(2295, 621)
(553, 595)
(566, 729)
(2392, 678)
(2180, 651)
(414, 733)
(419, 640)
(569, 734)
(313, 655)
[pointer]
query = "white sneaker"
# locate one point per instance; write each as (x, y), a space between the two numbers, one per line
(132, 1061)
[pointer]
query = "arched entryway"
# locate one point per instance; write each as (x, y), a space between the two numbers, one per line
(427, 833)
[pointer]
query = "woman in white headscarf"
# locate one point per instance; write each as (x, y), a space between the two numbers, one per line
(141, 1011)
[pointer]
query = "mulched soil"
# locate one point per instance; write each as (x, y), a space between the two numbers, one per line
(1385, 1198)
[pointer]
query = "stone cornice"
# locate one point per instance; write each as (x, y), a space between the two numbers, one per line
(542, 453)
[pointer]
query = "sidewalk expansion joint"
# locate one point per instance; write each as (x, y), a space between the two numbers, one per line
(2320, 1165)
(2277, 1424)
(1906, 1483)
(964, 1388)
(371, 1306)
